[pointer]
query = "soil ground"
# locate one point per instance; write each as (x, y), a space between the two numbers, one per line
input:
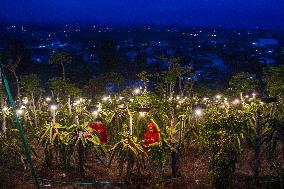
(193, 174)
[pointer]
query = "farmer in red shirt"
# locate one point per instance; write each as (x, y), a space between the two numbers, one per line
(152, 135)
(99, 127)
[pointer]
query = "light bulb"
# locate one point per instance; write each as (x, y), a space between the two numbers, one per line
(198, 112)
(19, 112)
(47, 99)
(218, 96)
(136, 91)
(236, 101)
(53, 107)
(95, 113)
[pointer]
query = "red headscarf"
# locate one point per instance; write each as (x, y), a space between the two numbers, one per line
(151, 137)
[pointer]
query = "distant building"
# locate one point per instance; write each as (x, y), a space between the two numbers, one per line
(266, 43)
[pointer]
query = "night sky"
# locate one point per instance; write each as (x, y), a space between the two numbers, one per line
(223, 13)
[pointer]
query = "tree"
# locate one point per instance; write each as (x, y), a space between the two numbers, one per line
(31, 86)
(274, 81)
(79, 71)
(61, 58)
(243, 82)
(63, 88)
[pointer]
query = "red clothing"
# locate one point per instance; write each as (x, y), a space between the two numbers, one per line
(151, 137)
(100, 128)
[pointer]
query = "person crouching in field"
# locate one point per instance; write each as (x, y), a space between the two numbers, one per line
(152, 135)
(100, 128)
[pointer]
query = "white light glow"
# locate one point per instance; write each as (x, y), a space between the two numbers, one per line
(19, 112)
(236, 101)
(47, 99)
(218, 96)
(198, 112)
(53, 107)
(95, 113)
(137, 91)
(105, 98)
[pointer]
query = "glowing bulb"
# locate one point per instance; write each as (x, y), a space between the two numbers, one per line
(142, 114)
(5, 109)
(178, 97)
(77, 102)
(253, 95)
(53, 107)
(105, 98)
(136, 91)
(47, 99)
(236, 101)
(218, 96)
(205, 99)
(198, 112)
(19, 112)
(247, 96)
(95, 113)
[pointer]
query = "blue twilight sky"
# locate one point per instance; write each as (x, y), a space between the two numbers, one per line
(227, 13)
